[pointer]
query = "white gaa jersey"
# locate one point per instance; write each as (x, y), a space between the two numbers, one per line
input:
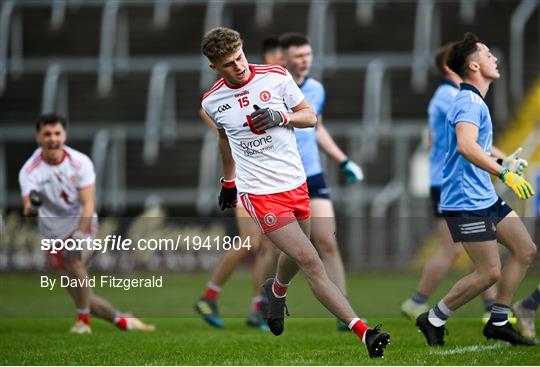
(58, 185)
(267, 162)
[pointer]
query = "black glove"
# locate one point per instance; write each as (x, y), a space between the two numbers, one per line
(265, 118)
(228, 195)
(35, 199)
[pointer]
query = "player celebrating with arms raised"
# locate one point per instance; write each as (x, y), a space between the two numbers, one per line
(475, 215)
(57, 184)
(249, 106)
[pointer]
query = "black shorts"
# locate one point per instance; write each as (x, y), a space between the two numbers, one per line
(476, 225)
(317, 187)
(435, 193)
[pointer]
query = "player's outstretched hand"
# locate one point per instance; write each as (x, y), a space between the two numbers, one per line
(518, 184)
(35, 199)
(228, 195)
(265, 118)
(353, 172)
(514, 163)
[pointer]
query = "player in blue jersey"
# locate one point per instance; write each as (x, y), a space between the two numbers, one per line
(440, 263)
(476, 216)
(298, 61)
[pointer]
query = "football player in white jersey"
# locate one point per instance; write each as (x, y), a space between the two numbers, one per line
(57, 185)
(249, 106)
(265, 253)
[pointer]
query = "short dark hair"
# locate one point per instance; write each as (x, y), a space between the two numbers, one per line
(269, 44)
(289, 39)
(441, 57)
(50, 119)
(459, 55)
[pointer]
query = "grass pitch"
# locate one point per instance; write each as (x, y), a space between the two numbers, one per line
(34, 326)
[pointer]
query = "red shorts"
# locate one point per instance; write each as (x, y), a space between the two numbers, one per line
(59, 259)
(274, 211)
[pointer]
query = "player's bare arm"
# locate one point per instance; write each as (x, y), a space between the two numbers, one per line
(229, 167)
(327, 143)
(467, 135)
(302, 116)
(87, 197)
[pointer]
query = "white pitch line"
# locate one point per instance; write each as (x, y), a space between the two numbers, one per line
(468, 349)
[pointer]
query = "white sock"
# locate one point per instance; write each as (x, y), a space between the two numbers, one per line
(444, 309)
(435, 320)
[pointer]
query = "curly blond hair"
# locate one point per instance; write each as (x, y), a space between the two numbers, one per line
(220, 41)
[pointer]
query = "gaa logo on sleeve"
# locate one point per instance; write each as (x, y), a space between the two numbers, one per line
(270, 219)
(265, 96)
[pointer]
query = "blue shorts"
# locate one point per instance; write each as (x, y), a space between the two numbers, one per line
(476, 225)
(435, 193)
(317, 187)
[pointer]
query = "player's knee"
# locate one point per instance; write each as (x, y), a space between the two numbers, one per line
(312, 265)
(534, 251)
(528, 253)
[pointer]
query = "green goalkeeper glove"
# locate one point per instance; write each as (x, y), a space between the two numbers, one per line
(518, 184)
(352, 171)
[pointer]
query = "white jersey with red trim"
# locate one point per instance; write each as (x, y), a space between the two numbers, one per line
(268, 161)
(58, 185)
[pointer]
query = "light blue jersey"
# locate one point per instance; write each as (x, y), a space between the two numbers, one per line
(306, 139)
(437, 109)
(465, 186)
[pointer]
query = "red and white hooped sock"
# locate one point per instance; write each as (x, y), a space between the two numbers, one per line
(279, 289)
(83, 314)
(212, 291)
(359, 328)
